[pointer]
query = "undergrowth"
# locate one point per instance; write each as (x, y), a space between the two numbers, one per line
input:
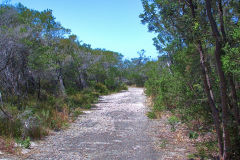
(36, 118)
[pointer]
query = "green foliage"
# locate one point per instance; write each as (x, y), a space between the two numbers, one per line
(53, 74)
(173, 120)
(26, 143)
(48, 76)
(151, 115)
(12, 128)
(163, 144)
(76, 100)
(191, 156)
(204, 149)
(123, 87)
(160, 88)
(189, 77)
(193, 135)
(231, 59)
(81, 100)
(101, 88)
(71, 91)
(77, 112)
(137, 69)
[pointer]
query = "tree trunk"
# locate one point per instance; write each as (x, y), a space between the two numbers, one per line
(9, 117)
(39, 87)
(82, 80)
(231, 82)
(210, 96)
(208, 89)
(61, 86)
(225, 111)
(60, 82)
(221, 21)
(234, 101)
(223, 87)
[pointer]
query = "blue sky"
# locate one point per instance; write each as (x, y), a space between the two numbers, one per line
(110, 24)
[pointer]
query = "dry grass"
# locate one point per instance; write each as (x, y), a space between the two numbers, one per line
(176, 145)
(7, 145)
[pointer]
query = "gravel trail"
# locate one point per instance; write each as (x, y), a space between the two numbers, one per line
(117, 129)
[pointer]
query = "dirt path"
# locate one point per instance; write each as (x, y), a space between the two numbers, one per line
(117, 129)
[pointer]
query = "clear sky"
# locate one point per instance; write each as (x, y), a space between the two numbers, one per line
(111, 24)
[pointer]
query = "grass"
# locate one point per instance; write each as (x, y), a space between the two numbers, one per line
(173, 120)
(151, 115)
(163, 144)
(24, 142)
(50, 112)
(7, 144)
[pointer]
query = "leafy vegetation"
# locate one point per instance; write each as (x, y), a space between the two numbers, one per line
(151, 115)
(173, 120)
(197, 74)
(25, 143)
(47, 76)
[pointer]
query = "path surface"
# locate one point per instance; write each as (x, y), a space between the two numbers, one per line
(117, 129)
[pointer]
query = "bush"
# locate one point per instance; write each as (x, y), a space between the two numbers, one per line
(193, 135)
(71, 91)
(111, 84)
(12, 128)
(173, 120)
(101, 88)
(158, 106)
(82, 100)
(76, 100)
(35, 121)
(95, 94)
(58, 120)
(77, 112)
(151, 115)
(24, 142)
(124, 87)
(121, 87)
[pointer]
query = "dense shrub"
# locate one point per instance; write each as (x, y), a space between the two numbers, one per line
(101, 88)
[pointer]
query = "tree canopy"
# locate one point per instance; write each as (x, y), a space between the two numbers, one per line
(199, 41)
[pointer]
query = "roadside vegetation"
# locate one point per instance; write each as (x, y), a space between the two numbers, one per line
(197, 76)
(47, 76)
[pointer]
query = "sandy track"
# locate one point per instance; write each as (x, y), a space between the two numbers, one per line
(117, 129)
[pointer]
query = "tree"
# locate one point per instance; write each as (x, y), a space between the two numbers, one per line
(181, 24)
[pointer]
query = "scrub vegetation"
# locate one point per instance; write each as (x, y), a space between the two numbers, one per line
(197, 76)
(48, 77)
